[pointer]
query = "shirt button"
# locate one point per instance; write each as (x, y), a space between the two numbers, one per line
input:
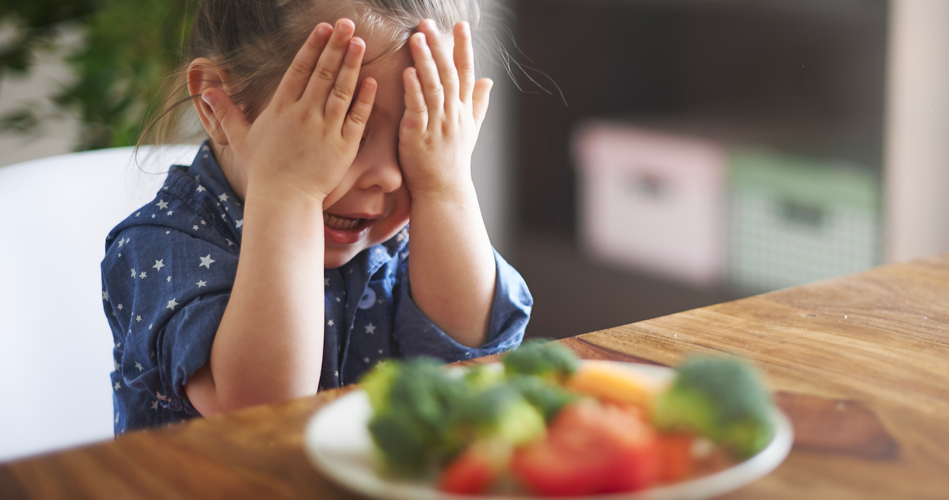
(368, 299)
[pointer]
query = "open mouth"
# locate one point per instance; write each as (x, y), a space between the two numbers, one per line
(340, 223)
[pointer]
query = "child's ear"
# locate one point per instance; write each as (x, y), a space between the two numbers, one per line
(204, 74)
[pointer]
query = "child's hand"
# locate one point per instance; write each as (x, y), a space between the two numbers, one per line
(444, 108)
(304, 140)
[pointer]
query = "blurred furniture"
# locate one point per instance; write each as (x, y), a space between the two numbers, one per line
(858, 363)
(55, 344)
(850, 81)
(651, 201)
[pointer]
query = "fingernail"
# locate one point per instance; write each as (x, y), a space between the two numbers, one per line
(205, 98)
(324, 29)
(346, 26)
(430, 24)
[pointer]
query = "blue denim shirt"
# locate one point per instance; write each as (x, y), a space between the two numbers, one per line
(167, 276)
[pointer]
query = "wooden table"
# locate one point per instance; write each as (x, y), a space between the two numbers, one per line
(860, 363)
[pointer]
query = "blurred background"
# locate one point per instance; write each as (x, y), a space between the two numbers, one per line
(641, 157)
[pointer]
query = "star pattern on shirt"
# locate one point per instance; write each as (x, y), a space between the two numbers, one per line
(207, 261)
(142, 275)
(119, 307)
(229, 242)
(201, 283)
(370, 329)
(224, 197)
(138, 318)
(329, 323)
(155, 405)
(170, 212)
(201, 188)
(171, 304)
(118, 386)
(105, 295)
(139, 366)
(240, 223)
(159, 264)
(133, 272)
(194, 228)
(162, 204)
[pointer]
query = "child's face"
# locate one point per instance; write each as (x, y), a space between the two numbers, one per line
(371, 204)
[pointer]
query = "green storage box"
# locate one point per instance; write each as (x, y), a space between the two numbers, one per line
(793, 221)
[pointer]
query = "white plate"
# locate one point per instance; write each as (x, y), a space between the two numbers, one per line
(337, 441)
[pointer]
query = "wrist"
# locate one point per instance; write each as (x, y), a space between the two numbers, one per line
(453, 191)
(284, 195)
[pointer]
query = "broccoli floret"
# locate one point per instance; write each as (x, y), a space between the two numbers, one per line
(497, 413)
(546, 397)
(480, 377)
(541, 358)
(719, 398)
(411, 400)
(378, 383)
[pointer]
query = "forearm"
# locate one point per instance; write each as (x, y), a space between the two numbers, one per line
(452, 268)
(269, 344)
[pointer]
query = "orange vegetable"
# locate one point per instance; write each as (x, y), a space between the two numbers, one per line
(612, 382)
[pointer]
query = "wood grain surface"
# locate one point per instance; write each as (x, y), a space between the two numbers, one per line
(859, 363)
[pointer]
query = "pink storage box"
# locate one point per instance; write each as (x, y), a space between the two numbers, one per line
(651, 200)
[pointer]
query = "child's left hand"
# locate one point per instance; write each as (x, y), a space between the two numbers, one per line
(444, 109)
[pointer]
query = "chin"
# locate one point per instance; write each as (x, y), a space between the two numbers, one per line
(336, 258)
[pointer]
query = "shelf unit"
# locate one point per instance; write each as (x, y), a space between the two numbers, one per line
(800, 77)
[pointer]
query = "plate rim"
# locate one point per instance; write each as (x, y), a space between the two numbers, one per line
(709, 486)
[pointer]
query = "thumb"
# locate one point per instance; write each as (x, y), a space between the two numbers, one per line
(230, 120)
(480, 98)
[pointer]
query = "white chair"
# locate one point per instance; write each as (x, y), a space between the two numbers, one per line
(55, 343)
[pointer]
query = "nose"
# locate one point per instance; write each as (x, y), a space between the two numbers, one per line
(379, 168)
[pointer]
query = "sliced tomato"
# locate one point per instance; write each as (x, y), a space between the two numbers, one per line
(675, 451)
(470, 473)
(590, 448)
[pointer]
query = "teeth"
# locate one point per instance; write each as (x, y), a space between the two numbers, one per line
(335, 222)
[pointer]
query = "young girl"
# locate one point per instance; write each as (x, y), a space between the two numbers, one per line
(278, 263)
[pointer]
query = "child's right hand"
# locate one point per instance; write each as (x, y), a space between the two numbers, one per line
(304, 140)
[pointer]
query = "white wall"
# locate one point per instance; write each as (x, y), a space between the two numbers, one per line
(916, 175)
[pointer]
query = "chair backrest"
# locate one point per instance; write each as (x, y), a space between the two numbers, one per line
(55, 343)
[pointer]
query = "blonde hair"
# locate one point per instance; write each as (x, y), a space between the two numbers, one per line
(254, 41)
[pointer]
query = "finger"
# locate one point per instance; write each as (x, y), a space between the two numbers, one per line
(357, 118)
(428, 75)
(480, 98)
(324, 75)
(441, 48)
(464, 61)
(230, 117)
(298, 74)
(416, 112)
(342, 94)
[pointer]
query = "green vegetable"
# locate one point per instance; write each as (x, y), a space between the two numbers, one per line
(719, 398)
(543, 359)
(411, 402)
(480, 377)
(423, 414)
(541, 394)
(498, 413)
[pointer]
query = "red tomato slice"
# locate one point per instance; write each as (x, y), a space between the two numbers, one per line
(590, 448)
(470, 473)
(676, 453)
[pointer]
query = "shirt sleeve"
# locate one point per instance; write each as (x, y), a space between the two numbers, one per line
(416, 335)
(166, 293)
